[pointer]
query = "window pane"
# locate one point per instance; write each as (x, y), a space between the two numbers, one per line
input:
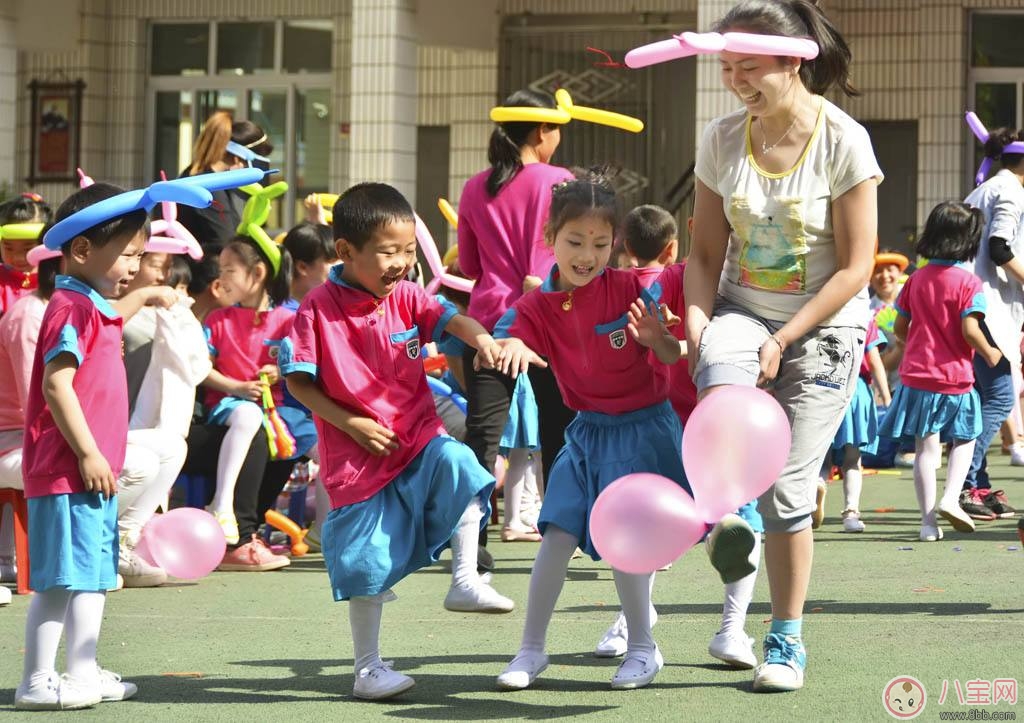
(996, 106)
(312, 141)
(307, 45)
(174, 133)
(245, 48)
(269, 110)
(180, 49)
(995, 40)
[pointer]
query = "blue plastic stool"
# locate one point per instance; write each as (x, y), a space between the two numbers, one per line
(195, 489)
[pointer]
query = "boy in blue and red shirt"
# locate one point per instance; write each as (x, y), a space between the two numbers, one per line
(400, 488)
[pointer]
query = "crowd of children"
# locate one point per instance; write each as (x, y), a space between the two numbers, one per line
(105, 338)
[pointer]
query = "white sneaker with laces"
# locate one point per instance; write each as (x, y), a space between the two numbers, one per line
(54, 693)
(477, 598)
(136, 571)
(523, 670)
(733, 649)
(1017, 455)
(112, 688)
(379, 681)
(638, 670)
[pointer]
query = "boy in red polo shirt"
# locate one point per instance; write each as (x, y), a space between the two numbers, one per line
(400, 488)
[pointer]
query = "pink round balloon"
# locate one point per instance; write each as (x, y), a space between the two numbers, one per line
(642, 522)
(186, 542)
(735, 445)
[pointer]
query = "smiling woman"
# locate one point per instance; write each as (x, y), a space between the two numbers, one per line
(784, 232)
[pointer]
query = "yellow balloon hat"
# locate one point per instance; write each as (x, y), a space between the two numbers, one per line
(565, 112)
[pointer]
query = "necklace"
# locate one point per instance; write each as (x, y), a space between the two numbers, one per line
(567, 304)
(766, 148)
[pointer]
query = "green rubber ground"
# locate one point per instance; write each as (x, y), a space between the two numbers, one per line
(274, 647)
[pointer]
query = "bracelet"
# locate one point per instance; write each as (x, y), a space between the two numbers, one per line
(777, 340)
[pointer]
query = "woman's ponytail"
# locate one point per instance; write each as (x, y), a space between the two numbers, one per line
(507, 139)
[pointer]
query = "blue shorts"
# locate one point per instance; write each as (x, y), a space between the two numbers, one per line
(72, 542)
(600, 448)
(371, 545)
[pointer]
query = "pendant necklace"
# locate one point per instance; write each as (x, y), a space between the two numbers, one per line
(766, 148)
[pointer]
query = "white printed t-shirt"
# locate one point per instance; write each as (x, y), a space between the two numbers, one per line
(781, 246)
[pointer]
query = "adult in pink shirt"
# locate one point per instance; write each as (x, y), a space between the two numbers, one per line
(502, 213)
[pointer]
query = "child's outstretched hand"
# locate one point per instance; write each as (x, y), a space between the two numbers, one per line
(97, 475)
(644, 324)
(163, 296)
(314, 211)
(515, 357)
(375, 439)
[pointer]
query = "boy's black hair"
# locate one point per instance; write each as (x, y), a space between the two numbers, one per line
(952, 232)
(647, 230)
(310, 242)
(179, 272)
(365, 209)
(102, 233)
(205, 271)
(25, 210)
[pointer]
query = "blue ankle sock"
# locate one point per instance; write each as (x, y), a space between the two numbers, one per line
(792, 628)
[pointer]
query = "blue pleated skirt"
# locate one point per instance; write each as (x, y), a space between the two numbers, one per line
(299, 421)
(860, 423)
(522, 430)
(600, 448)
(371, 545)
(917, 413)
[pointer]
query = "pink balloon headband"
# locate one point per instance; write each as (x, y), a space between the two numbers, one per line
(981, 133)
(686, 44)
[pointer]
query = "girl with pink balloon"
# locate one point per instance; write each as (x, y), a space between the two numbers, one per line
(784, 232)
(578, 321)
(941, 309)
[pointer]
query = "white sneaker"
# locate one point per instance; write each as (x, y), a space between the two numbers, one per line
(118, 583)
(638, 670)
(8, 569)
(5, 595)
(851, 521)
(615, 640)
(228, 523)
(55, 693)
(904, 460)
(112, 688)
(477, 598)
(733, 649)
(1017, 455)
(930, 533)
(523, 670)
(379, 681)
(136, 571)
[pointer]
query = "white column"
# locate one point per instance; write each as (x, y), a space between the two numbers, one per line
(384, 94)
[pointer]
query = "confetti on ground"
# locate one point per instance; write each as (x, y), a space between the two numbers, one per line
(817, 610)
(890, 472)
(1013, 548)
(884, 510)
(183, 674)
(903, 549)
(928, 588)
(958, 549)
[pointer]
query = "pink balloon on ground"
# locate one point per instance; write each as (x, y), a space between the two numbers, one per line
(186, 542)
(642, 522)
(735, 445)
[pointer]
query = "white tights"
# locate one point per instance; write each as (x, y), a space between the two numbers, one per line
(928, 459)
(243, 424)
(546, 582)
(53, 612)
